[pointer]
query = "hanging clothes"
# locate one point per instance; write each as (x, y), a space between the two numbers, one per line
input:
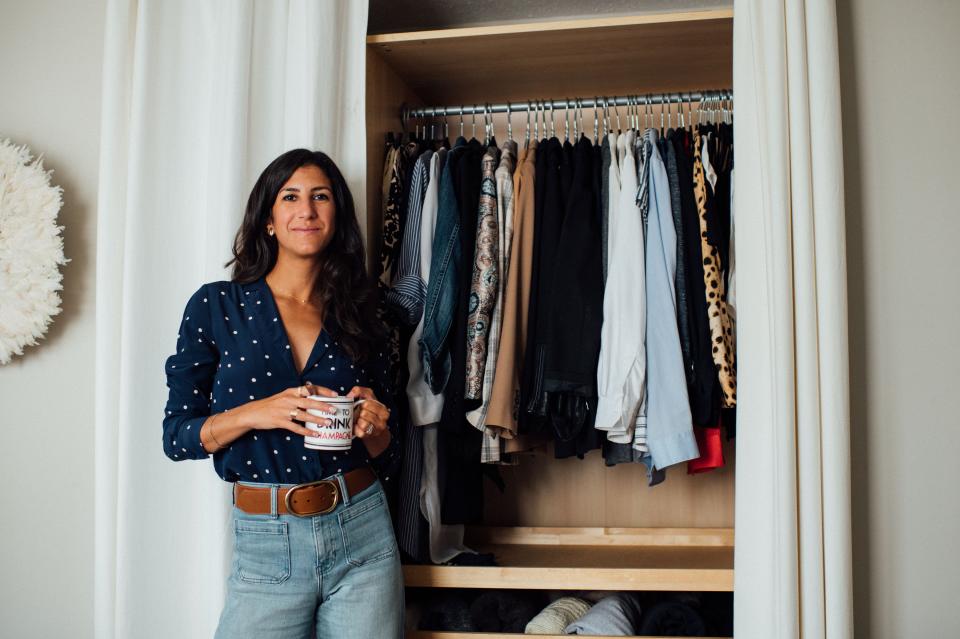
(459, 470)
(392, 192)
(503, 411)
(549, 200)
(407, 291)
(441, 301)
(680, 282)
(492, 447)
(409, 286)
(703, 387)
(563, 295)
(485, 280)
(719, 322)
(576, 311)
(670, 436)
(621, 372)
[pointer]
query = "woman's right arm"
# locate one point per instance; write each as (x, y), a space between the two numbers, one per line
(190, 374)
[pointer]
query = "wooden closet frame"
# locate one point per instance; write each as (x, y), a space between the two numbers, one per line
(567, 524)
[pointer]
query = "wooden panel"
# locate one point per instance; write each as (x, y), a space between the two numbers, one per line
(587, 568)
(635, 54)
(386, 91)
(593, 536)
(542, 491)
(592, 559)
(550, 25)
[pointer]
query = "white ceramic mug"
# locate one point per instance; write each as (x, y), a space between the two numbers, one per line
(338, 435)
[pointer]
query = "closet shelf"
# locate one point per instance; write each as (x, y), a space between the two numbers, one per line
(668, 559)
(428, 634)
(594, 56)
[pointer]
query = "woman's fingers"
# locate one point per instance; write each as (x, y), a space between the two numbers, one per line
(314, 404)
(363, 427)
(299, 429)
(374, 412)
(314, 389)
(361, 391)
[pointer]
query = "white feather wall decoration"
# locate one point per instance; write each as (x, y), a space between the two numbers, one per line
(31, 250)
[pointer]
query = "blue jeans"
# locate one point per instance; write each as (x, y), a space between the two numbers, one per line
(332, 576)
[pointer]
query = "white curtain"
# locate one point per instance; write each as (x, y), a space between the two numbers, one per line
(198, 97)
(793, 547)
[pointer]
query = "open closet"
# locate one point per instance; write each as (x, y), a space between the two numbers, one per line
(566, 524)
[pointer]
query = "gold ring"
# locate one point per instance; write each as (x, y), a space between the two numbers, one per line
(293, 414)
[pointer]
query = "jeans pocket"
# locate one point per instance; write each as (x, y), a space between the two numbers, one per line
(367, 530)
(262, 551)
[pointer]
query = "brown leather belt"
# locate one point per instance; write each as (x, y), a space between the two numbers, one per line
(302, 500)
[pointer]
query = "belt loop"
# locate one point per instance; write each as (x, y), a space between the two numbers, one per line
(344, 493)
(273, 501)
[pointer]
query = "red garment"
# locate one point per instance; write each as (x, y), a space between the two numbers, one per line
(711, 450)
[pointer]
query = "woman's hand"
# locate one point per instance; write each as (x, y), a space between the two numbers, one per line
(287, 409)
(370, 422)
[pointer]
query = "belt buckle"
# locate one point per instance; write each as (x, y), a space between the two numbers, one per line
(334, 487)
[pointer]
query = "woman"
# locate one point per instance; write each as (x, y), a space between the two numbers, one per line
(293, 322)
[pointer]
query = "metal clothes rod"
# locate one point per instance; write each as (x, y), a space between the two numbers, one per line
(640, 100)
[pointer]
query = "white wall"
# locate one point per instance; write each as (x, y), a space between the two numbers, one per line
(50, 100)
(901, 90)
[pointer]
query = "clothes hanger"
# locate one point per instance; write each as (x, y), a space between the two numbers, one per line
(596, 137)
(607, 116)
(486, 127)
(526, 135)
(509, 124)
(543, 119)
(576, 110)
(536, 120)
(553, 128)
(662, 116)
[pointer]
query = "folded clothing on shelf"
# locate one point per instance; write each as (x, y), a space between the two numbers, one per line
(504, 610)
(672, 619)
(617, 615)
(553, 619)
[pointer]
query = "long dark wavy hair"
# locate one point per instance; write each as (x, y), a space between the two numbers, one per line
(343, 285)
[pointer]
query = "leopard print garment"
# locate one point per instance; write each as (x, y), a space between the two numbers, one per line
(390, 240)
(721, 331)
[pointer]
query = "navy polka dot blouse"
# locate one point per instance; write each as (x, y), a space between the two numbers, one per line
(232, 349)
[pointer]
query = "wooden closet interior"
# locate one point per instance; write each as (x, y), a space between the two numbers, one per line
(567, 524)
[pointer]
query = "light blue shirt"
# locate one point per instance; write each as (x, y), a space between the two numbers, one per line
(670, 435)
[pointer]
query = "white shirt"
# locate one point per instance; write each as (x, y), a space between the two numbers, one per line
(425, 407)
(621, 368)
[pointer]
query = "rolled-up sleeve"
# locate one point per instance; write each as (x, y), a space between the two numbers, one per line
(190, 374)
(387, 463)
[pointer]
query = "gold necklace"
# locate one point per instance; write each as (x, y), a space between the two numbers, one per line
(292, 296)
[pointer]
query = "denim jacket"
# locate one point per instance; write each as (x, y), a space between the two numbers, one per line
(442, 290)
